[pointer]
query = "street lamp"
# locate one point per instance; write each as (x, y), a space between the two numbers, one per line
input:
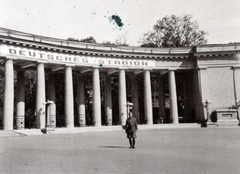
(206, 105)
(128, 104)
(48, 124)
(238, 105)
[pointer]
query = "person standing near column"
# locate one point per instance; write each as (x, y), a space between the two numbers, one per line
(131, 129)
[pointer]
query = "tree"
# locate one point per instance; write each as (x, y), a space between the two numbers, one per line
(87, 40)
(174, 31)
(122, 39)
(107, 43)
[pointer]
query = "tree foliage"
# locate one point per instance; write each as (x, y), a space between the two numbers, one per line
(174, 31)
(87, 40)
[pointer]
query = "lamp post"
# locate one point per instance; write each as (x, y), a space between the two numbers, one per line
(128, 104)
(206, 105)
(48, 126)
(238, 105)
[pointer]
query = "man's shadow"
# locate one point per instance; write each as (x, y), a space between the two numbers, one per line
(112, 147)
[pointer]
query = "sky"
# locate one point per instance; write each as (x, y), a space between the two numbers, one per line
(83, 18)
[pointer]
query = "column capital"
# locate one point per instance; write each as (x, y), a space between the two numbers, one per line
(95, 67)
(10, 57)
(41, 62)
(202, 67)
(147, 69)
(122, 68)
(237, 67)
(172, 69)
(69, 65)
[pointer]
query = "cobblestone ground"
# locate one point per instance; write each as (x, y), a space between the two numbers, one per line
(172, 151)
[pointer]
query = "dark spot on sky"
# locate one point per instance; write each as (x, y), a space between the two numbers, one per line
(117, 20)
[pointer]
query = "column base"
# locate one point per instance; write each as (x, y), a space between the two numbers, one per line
(70, 126)
(149, 123)
(48, 129)
(98, 125)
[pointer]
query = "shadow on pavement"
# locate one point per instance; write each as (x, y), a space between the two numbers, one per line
(112, 146)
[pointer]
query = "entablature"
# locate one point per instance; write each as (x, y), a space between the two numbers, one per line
(216, 50)
(72, 47)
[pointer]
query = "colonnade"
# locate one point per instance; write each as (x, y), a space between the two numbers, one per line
(69, 98)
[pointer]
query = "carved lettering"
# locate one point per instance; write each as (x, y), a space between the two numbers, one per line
(22, 52)
(59, 57)
(33, 54)
(68, 59)
(76, 58)
(41, 55)
(12, 51)
(49, 56)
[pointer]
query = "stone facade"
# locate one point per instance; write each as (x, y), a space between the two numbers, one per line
(210, 79)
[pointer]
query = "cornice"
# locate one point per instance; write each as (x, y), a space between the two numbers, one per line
(33, 41)
(59, 45)
(216, 50)
(136, 52)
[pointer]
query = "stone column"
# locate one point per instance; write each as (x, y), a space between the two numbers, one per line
(96, 98)
(20, 100)
(122, 97)
(8, 104)
(135, 108)
(108, 100)
(148, 97)
(52, 97)
(173, 97)
(81, 101)
(69, 110)
(161, 99)
(40, 97)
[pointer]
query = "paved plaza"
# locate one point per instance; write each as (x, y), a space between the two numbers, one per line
(212, 150)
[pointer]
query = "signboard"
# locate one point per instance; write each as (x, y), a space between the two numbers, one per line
(48, 56)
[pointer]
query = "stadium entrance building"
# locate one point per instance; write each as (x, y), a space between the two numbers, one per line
(210, 81)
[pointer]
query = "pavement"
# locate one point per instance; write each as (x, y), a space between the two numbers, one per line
(28, 132)
(164, 149)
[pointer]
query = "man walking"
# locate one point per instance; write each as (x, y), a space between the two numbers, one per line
(131, 129)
